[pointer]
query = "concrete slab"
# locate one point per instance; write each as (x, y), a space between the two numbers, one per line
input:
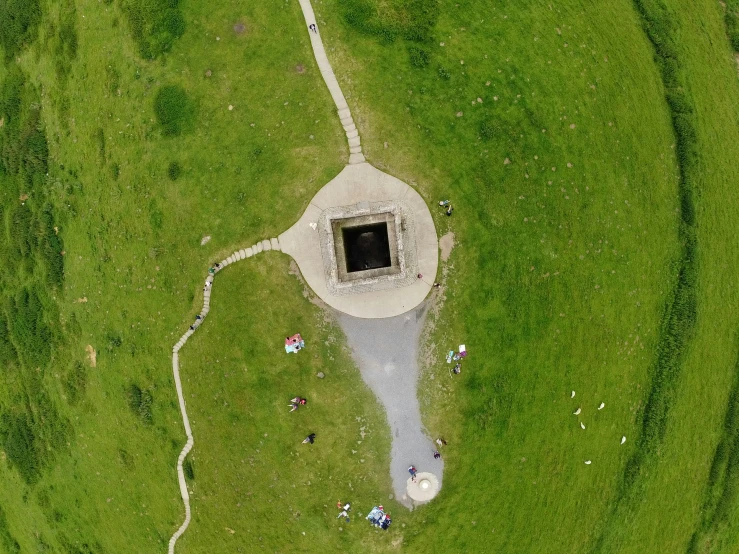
(266, 245)
(249, 253)
(357, 158)
(353, 133)
(344, 113)
(363, 183)
(260, 247)
(275, 244)
(356, 141)
(349, 127)
(355, 150)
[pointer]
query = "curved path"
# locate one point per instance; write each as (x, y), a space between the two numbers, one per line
(355, 157)
(272, 244)
(352, 134)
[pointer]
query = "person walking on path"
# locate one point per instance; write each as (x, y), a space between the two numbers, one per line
(309, 439)
(313, 28)
(437, 455)
(412, 470)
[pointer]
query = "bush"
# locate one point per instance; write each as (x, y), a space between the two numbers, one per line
(419, 57)
(19, 443)
(173, 109)
(75, 383)
(140, 402)
(18, 22)
(188, 469)
(489, 130)
(173, 171)
(414, 20)
(154, 25)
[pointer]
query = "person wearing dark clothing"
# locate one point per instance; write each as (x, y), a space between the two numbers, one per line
(310, 438)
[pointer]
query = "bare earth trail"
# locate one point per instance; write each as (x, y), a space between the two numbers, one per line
(386, 351)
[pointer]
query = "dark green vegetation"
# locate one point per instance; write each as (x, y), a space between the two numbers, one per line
(732, 22)
(154, 25)
(592, 169)
(18, 22)
(174, 110)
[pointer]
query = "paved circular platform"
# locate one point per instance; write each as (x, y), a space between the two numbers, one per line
(424, 488)
(363, 186)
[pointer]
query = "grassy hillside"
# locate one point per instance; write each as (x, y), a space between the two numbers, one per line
(572, 145)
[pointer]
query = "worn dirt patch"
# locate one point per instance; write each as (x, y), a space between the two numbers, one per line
(446, 243)
(92, 356)
(82, 300)
(240, 28)
(300, 68)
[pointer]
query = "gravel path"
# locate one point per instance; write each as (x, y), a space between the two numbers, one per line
(386, 351)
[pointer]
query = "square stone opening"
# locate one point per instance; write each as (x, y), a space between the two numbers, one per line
(365, 246)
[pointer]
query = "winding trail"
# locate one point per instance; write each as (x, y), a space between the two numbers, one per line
(352, 134)
(272, 244)
(355, 157)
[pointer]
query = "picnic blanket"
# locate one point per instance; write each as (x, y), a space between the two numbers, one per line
(294, 344)
(378, 518)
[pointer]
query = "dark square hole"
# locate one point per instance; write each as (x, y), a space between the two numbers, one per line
(366, 247)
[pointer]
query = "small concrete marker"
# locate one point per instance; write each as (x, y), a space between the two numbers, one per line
(602, 405)
(588, 462)
(582, 425)
(573, 394)
(577, 412)
(623, 439)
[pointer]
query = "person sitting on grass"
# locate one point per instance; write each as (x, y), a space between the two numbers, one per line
(309, 439)
(296, 402)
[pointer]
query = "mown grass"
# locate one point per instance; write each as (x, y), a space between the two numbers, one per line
(546, 323)
(566, 184)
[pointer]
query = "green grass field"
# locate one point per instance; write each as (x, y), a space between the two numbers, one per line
(590, 153)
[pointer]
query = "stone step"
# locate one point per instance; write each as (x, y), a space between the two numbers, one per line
(347, 121)
(356, 159)
(355, 150)
(249, 253)
(344, 112)
(349, 127)
(266, 245)
(352, 134)
(275, 244)
(354, 141)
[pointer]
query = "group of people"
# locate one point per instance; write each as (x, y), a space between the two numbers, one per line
(448, 205)
(379, 518)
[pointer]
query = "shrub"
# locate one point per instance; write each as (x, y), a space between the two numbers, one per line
(173, 109)
(140, 402)
(444, 73)
(419, 57)
(19, 443)
(173, 171)
(489, 130)
(18, 22)
(188, 469)
(154, 25)
(7, 540)
(75, 383)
